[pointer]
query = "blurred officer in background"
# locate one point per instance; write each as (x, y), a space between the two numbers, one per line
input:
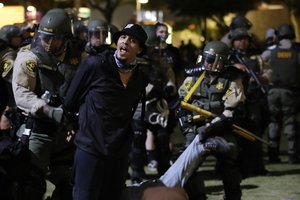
(283, 97)
(10, 39)
(237, 22)
(3, 95)
(255, 113)
(27, 32)
(80, 34)
(271, 38)
(38, 79)
(99, 37)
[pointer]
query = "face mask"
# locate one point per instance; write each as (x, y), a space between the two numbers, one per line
(123, 66)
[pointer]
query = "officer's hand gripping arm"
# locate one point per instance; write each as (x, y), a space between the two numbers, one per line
(53, 113)
(185, 119)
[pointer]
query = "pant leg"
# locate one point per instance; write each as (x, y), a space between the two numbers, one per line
(98, 177)
(275, 124)
(185, 165)
(138, 152)
(164, 154)
(228, 168)
(40, 146)
(290, 101)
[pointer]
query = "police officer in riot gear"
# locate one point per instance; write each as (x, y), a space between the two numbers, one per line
(11, 34)
(37, 71)
(80, 34)
(283, 97)
(239, 21)
(99, 36)
(220, 91)
(255, 114)
(10, 38)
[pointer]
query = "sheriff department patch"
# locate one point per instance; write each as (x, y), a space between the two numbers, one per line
(220, 86)
(7, 66)
(30, 67)
(187, 85)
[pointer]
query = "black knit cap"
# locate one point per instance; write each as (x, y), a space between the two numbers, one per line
(135, 31)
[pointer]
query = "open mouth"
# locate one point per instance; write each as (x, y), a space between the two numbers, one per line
(123, 50)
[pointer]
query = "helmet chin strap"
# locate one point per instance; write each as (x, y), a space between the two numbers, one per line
(123, 66)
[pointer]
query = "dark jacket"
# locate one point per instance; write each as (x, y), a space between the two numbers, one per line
(105, 105)
(3, 95)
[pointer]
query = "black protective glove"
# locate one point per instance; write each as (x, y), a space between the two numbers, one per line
(218, 128)
(185, 119)
(55, 113)
(203, 133)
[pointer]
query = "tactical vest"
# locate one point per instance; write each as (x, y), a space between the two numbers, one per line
(286, 67)
(48, 74)
(211, 94)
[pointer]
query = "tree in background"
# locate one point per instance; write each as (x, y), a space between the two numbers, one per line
(212, 9)
(105, 7)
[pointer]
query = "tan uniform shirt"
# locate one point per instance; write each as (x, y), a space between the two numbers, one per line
(24, 82)
(233, 97)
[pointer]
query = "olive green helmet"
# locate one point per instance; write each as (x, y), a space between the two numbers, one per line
(56, 23)
(99, 29)
(214, 56)
(97, 25)
(9, 31)
(240, 22)
(286, 31)
(239, 33)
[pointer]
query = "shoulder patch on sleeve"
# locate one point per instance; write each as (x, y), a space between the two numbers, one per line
(7, 66)
(31, 67)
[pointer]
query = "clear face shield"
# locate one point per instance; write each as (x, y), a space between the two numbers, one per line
(99, 36)
(52, 43)
(211, 62)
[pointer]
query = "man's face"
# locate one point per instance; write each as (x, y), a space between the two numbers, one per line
(162, 33)
(51, 44)
(127, 48)
(241, 44)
